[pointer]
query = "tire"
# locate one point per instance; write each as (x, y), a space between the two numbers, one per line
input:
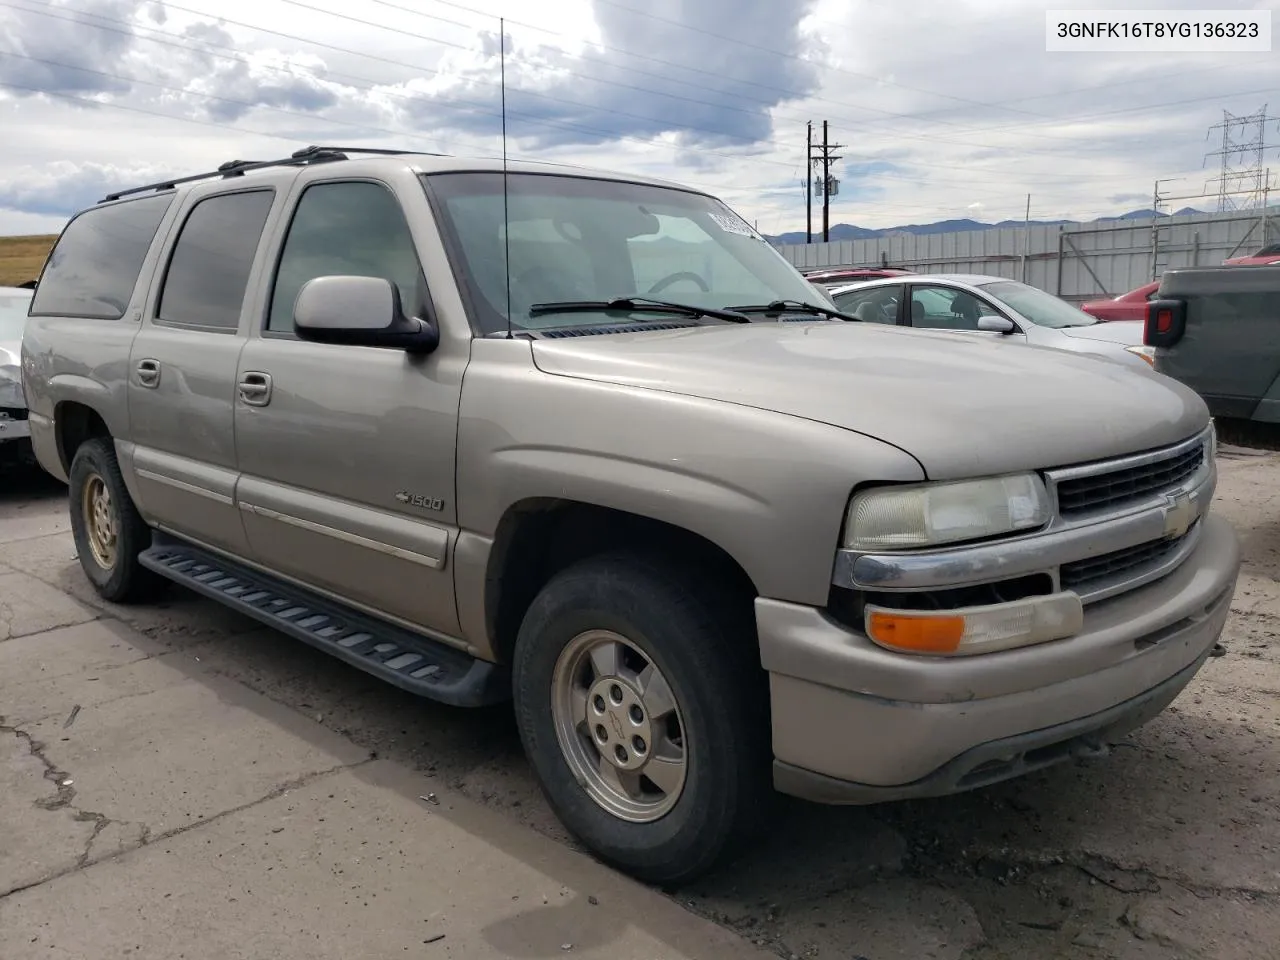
(114, 571)
(688, 629)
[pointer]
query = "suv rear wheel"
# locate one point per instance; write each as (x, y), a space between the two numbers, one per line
(108, 532)
(638, 698)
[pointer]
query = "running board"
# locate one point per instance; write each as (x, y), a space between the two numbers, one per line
(409, 660)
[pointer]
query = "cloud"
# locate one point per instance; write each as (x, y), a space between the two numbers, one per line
(44, 52)
(971, 110)
(555, 98)
(61, 188)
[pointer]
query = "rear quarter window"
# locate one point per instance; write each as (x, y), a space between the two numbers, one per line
(94, 266)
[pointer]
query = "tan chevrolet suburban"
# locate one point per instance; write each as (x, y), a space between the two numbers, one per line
(586, 441)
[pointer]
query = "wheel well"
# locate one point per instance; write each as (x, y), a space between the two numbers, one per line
(538, 538)
(76, 424)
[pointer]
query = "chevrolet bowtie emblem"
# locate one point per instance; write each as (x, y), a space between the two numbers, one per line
(1179, 515)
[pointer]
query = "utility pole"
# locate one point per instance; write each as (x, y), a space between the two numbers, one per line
(1266, 202)
(1026, 238)
(1156, 200)
(828, 185)
(808, 184)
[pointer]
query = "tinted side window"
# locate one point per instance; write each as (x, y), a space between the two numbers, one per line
(209, 271)
(95, 263)
(345, 229)
(947, 308)
(877, 305)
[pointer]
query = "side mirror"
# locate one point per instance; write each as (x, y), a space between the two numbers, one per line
(360, 312)
(996, 324)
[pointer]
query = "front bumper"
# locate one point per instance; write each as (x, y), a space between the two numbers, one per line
(855, 723)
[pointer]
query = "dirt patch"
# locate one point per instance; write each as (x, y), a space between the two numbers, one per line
(22, 258)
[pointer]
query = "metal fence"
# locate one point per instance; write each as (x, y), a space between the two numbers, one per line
(1076, 262)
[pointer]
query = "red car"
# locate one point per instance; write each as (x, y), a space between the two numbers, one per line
(1267, 255)
(843, 275)
(1127, 306)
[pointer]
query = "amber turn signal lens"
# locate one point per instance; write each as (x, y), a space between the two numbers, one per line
(920, 634)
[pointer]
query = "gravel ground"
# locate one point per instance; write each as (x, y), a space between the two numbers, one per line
(1168, 848)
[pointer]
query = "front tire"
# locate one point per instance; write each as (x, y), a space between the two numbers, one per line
(108, 531)
(643, 709)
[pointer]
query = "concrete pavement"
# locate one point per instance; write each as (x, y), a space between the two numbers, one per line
(155, 809)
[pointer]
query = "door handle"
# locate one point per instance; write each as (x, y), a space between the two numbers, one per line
(255, 389)
(149, 373)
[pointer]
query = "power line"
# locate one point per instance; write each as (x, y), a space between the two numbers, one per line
(484, 109)
(755, 114)
(888, 117)
(542, 121)
(770, 102)
(932, 138)
(310, 117)
(1018, 127)
(563, 124)
(791, 56)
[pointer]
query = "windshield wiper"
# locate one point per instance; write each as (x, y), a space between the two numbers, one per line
(779, 307)
(635, 305)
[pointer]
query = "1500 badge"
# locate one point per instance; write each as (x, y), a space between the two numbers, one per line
(418, 500)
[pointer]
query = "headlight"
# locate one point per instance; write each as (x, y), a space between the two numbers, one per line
(1146, 353)
(930, 514)
(1213, 441)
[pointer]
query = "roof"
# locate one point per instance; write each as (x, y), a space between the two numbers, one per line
(972, 279)
(418, 162)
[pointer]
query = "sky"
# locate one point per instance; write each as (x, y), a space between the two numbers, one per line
(943, 108)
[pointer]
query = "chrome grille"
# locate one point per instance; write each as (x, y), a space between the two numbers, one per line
(1086, 575)
(1115, 488)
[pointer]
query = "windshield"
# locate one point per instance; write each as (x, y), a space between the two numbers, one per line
(13, 315)
(1042, 309)
(573, 238)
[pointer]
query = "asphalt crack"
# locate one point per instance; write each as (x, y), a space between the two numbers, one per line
(64, 792)
(1006, 868)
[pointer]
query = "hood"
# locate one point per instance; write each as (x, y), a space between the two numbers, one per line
(961, 406)
(1127, 333)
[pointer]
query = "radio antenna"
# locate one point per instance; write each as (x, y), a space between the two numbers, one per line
(506, 217)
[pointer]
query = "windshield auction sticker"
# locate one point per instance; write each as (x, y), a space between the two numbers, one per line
(1158, 31)
(731, 224)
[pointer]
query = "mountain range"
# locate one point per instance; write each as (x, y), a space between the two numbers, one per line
(848, 231)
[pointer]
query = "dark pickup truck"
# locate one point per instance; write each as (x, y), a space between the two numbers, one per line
(1217, 329)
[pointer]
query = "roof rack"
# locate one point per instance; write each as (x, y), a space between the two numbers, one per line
(299, 158)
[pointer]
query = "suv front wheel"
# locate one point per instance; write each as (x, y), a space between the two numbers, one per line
(638, 704)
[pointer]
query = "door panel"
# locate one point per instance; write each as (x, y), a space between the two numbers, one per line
(182, 372)
(182, 428)
(347, 474)
(346, 454)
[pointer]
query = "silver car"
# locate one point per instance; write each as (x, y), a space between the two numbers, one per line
(15, 438)
(995, 307)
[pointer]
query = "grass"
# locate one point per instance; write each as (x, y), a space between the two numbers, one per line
(21, 258)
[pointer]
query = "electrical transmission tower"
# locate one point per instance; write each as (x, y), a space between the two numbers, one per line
(1242, 182)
